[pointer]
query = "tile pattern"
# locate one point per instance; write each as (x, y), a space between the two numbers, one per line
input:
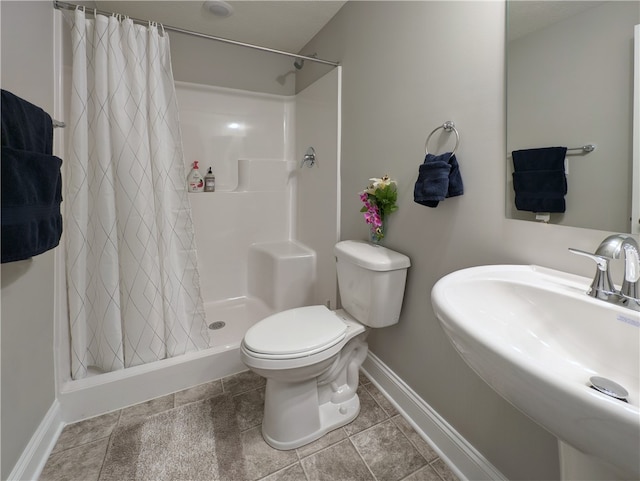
(379, 445)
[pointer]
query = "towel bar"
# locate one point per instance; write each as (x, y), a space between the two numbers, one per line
(585, 148)
(448, 126)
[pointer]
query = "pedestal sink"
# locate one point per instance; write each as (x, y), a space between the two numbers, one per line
(536, 338)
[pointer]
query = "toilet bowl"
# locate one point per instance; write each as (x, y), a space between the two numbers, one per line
(309, 392)
(311, 356)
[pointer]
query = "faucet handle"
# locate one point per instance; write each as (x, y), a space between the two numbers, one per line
(601, 261)
(601, 287)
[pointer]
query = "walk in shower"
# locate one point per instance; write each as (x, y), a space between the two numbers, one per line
(264, 202)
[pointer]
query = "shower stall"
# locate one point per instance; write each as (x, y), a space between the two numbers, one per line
(267, 205)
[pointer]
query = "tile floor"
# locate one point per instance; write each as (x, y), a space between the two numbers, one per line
(379, 445)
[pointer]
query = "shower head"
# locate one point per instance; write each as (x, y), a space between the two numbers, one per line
(299, 62)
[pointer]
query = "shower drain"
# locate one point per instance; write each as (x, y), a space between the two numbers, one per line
(217, 325)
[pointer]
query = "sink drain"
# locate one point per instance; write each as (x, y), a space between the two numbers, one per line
(609, 387)
(217, 325)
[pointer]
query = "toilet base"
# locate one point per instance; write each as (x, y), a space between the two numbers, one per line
(314, 396)
(331, 416)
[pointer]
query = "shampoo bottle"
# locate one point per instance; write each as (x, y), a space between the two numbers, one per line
(195, 182)
(209, 181)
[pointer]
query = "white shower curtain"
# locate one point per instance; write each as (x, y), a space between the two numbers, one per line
(133, 285)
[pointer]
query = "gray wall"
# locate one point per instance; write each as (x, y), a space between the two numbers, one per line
(28, 388)
(208, 62)
(407, 68)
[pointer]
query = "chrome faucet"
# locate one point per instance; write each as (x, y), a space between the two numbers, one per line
(602, 288)
(613, 246)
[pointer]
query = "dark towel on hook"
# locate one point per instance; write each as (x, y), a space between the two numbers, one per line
(31, 189)
(438, 178)
(539, 179)
(31, 196)
(25, 126)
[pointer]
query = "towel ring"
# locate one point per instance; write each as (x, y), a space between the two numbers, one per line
(448, 126)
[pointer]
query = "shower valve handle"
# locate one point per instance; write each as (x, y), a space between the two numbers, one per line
(309, 157)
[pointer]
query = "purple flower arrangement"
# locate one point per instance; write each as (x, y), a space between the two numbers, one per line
(379, 201)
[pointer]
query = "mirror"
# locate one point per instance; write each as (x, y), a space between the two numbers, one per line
(570, 83)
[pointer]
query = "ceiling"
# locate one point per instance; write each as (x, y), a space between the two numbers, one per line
(281, 25)
(290, 24)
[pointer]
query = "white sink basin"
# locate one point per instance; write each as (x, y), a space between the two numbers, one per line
(536, 338)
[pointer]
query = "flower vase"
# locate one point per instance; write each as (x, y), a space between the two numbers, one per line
(377, 234)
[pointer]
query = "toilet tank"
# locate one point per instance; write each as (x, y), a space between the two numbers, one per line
(371, 281)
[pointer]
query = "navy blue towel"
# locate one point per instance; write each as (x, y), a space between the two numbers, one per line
(31, 189)
(438, 178)
(25, 126)
(539, 179)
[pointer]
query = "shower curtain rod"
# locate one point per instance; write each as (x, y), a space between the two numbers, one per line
(71, 6)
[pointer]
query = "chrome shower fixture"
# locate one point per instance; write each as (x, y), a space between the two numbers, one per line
(299, 62)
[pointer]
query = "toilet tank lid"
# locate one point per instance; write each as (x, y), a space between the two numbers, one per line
(370, 256)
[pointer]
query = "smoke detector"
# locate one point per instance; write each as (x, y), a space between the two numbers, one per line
(218, 8)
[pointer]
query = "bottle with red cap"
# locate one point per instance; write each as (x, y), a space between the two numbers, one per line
(195, 181)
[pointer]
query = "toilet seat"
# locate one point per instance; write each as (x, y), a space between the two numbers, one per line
(295, 333)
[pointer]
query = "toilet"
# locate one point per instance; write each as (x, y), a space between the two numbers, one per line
(311, 356)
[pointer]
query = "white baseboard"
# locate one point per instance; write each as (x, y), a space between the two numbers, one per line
(455, 450)
(36, 453)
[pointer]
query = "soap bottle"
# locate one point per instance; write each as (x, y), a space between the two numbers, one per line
(209, 181)
(195, 182)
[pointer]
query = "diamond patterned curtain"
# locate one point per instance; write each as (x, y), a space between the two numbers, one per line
(133, 285)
